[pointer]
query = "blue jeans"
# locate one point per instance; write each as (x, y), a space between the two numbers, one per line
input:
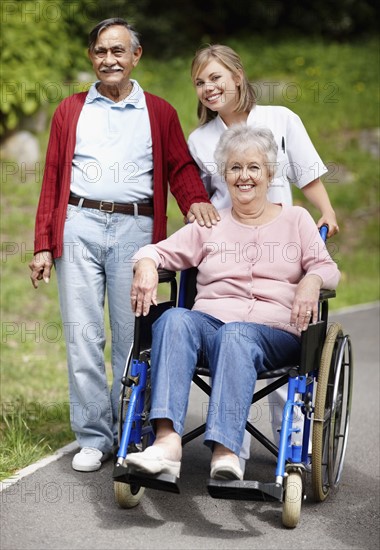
(236, 353)
(96, 263)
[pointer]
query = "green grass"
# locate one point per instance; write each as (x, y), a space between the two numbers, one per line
(336, 95)
(30, 431)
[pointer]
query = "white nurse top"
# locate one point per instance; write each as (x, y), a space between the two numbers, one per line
(297, 160)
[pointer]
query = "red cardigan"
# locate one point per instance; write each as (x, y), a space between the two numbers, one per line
(171, 159)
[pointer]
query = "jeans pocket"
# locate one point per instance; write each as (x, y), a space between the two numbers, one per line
(71, 212)
(144, 223)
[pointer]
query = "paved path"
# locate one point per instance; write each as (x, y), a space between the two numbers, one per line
(57, 508)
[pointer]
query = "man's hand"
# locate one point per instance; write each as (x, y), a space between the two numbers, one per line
(305, 305)
(204, 212)
(144, 286)
(40, 267)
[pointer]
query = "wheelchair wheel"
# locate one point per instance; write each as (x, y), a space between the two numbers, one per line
(291, 508)
(126, 495)
(331, 413)
(129, 495)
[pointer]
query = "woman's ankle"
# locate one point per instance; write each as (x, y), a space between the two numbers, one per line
(168, 439)
(220, 452)
(164, 427)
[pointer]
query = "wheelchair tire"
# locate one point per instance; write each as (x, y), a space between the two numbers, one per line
(291, 507)
(127, 496)
(331, 413)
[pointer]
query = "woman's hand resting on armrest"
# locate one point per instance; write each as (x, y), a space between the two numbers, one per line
(305, 305)
(144, 286)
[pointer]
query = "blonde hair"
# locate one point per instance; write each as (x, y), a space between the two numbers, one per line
(227, 57)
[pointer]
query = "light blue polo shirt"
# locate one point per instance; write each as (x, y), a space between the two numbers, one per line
(113, 157)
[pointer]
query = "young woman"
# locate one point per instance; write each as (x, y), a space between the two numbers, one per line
(226, 97)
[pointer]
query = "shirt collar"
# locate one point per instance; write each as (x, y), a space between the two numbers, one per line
(220, 123)
(136, 98)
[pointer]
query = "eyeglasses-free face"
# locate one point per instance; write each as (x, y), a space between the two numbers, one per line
(217, 87)
(112, 57)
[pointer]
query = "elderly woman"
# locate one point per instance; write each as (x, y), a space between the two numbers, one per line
(260, 271)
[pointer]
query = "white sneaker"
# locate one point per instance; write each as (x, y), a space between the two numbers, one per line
(88, 460)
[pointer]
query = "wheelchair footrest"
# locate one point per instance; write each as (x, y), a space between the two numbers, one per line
(244, 490)
(161, 482)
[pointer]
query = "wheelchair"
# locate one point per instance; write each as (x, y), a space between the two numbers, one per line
(319, 389)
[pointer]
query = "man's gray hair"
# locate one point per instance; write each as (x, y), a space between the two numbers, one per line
(93, 36)
(238, 138)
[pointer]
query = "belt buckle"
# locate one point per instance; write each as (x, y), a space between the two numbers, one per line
(103, 209)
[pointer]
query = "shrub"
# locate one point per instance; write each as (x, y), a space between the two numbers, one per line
(36, 57)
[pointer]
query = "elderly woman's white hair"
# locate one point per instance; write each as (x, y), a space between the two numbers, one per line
(239, 137)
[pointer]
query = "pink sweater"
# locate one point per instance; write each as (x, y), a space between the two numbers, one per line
(248, 273)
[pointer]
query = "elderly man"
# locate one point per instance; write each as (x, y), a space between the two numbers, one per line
(111, 153)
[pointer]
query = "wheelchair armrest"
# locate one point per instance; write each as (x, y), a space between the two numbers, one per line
(143, 327)
(165, 276)
(326, 294)
(312, 341)
(142, 339)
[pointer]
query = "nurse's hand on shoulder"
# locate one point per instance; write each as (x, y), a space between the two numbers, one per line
(144, 286)
(204, 213)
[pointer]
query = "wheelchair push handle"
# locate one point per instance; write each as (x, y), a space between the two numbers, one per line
(323, 230)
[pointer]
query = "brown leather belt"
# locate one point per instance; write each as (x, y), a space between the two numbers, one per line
(136, 208)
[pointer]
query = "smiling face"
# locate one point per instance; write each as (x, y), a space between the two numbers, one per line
(217, 87)
(247, 176)
(112, 57)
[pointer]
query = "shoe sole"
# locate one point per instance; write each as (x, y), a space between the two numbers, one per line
(225, 476)
(225, 471)
(79, 468)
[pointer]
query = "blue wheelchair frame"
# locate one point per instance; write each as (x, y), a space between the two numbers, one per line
(133, 429)
(291, 455)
